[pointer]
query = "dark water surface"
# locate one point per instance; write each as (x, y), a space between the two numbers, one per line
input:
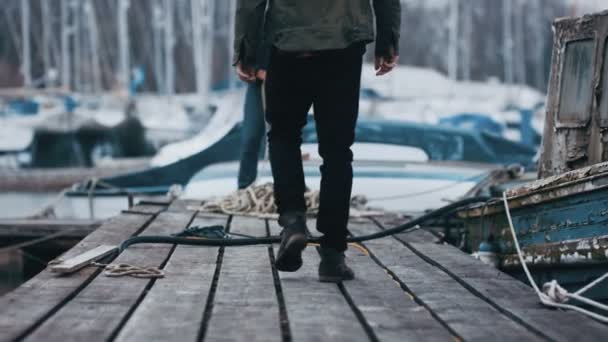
(19, 265)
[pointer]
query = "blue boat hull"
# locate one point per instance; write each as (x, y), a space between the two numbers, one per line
(562, 227)
(439, 143)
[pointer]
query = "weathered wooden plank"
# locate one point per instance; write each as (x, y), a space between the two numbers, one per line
(145, 209)
(37, 228)
(182, 293)
(96, 312)
(77, 262)
(245, 306)
(27, 305)
(470, 317)
(156, 200)
(181, 205)
(316, 311)
(509, 294)
(391, 311)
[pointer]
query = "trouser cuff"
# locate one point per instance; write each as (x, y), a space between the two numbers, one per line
(337, 244)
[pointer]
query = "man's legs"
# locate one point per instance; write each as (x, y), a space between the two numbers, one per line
(252, 140)
(336, 106)
(288, 100)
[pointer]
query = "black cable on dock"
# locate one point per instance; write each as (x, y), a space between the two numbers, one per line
(193, 241)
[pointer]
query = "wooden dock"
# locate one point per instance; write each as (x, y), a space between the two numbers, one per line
(409, 288)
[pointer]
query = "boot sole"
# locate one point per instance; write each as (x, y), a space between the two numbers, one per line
(330, 279)
(291, 258)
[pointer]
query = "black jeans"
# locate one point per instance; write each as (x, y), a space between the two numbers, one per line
(330, 81)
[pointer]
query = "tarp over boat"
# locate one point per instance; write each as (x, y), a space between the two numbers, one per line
(438, 142)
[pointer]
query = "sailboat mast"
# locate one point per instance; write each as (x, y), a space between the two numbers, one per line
(94, 45)
(25, 33)
(77, 48)
(202, 33)
(197, 48)
(208, 41)
(46, 41)
(507, 12)
(65, 45)
(453, 36)
(231, 22)
(123, 42)
(169, 43)
(158, 45)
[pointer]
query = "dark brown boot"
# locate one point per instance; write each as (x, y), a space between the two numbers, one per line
(333, 268)
(293, 242)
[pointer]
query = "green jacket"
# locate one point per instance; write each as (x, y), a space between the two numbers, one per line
(314, 25)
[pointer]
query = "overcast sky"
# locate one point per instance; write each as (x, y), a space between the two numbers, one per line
(590, 5)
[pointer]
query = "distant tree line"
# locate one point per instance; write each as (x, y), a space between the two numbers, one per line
(466, 39)
(510, 40)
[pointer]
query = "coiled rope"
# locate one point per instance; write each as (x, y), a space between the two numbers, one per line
(259, 201)
(122, 270)
(552, 293)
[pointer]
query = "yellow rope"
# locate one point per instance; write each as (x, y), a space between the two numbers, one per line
(360, 247)
(354, 245)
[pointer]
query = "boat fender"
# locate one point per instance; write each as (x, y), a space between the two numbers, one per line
(488, 253)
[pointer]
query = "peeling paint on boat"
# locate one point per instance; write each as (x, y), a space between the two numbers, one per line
(588, 251)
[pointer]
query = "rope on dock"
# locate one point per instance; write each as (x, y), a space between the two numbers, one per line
(122, 270)
(552, 293)
(259, 201)
(255, 201)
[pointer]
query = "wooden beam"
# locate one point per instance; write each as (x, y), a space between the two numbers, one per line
(510, 295)
(183, 292)
(145, 209)
(66, 266)
(245, 306)
(316, 311)
(382, 301)
(467, 315)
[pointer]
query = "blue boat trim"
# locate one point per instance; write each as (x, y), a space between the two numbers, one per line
(438, 142)
(209, 174)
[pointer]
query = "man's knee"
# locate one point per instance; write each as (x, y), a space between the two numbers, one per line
(336, 155)
(289, 135)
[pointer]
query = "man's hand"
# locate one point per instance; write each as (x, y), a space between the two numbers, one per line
(245, 73)
(384, 65)
(261, 75)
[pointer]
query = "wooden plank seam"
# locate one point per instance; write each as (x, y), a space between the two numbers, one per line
(474, 291)
(72, 294)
